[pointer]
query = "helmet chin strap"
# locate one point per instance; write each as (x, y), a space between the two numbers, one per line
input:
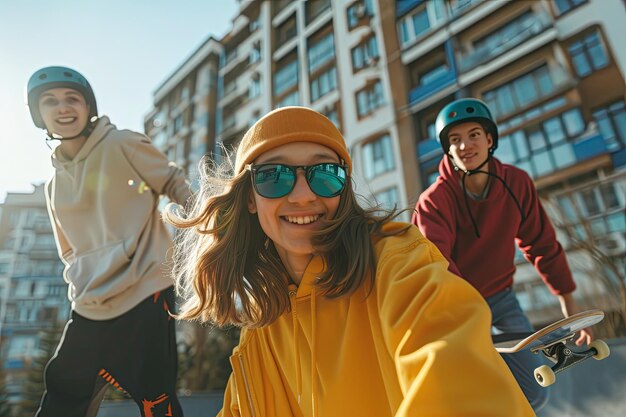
(470, 171)
(84, 133)
(467, 173)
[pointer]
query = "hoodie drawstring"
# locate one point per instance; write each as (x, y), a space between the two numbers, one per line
(467, 206)
(296, 351)
(506, 187)
(313, 356)
(294, 322)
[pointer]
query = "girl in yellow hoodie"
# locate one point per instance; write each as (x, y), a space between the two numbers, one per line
(344, 313)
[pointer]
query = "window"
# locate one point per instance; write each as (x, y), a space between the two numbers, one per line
(588, 54)
(370, 99)
(564, 6)
(505, 33)
(321, 52)
(22, 346)
(520, 92)
(545, 147)
(324, 84)
(292, 99)
(460, 6)
(287, 31)
(378, 157)
(229, 87)
(612, 125)
(178, 123)
(255, 88)
(286, 77)
(414, 25)
(358, 11)
(333, 116)
(388, 199)
(433, 74)
(44, 242)
(364, 54)
(315, 8)
(255, 54)
(160, 140)
(229, 56)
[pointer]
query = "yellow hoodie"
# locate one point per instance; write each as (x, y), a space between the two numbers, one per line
(418, 345)
(103, 205)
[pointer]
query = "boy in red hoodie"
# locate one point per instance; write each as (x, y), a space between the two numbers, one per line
(475, 211)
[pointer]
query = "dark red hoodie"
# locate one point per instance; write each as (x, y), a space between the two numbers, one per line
(487, 262)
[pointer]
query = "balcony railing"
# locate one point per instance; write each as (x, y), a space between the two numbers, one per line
(444, 80)
(428, 148)
(404, 6)
(489, 51)
(589, 146)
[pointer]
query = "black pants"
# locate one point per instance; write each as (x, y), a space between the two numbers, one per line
(135, 352)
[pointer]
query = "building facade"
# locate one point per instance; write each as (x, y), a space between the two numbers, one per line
(182, 122)
(553, 72)
(33, 295)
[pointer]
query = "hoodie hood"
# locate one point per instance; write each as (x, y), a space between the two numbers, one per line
(103, 127)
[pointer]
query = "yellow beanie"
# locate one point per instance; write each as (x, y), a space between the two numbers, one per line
(286, 125)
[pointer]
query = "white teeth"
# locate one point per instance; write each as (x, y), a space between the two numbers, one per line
(302, 219)
(66, 119)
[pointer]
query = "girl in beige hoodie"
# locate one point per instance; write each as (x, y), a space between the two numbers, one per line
(103, 205)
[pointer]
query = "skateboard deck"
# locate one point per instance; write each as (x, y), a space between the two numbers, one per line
(552, 342)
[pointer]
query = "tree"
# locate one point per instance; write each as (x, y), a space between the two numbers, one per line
(204, 362)
(34, 386)
(5, 409)
(582, 214)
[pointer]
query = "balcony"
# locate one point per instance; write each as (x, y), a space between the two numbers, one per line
(589, 146)
(235, 93)
(43, 253)
(488, 52)
(462, 6)
(437, 84)
(405, 6)
(619, 158)
(428, 148)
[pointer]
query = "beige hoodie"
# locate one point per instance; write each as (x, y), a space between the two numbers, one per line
(109, 233)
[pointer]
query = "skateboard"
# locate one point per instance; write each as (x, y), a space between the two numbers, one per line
(552, 342)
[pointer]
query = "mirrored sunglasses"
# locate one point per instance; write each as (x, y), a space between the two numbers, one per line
(278, 180)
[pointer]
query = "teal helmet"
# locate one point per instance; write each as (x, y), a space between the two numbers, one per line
(461, 111)
(57, 77)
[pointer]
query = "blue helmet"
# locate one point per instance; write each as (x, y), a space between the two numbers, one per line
(465, 110)
(57, 77)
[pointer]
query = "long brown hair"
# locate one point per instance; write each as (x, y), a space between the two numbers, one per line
(228, 270)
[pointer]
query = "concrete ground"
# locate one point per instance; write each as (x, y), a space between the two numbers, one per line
(592, 388)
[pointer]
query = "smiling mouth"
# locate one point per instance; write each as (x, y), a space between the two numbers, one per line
(302, 219)
(66, 120)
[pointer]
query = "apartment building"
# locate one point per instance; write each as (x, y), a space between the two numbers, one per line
(552, 71)
(182, 122)
(328, 55)
(33, 295)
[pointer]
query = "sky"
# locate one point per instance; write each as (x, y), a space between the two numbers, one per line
(125, 49)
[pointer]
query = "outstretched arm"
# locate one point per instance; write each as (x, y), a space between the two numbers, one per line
(164, 177)
(437, 328)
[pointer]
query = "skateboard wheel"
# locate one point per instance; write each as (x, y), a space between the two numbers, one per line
(601, 348)
(544, 375)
